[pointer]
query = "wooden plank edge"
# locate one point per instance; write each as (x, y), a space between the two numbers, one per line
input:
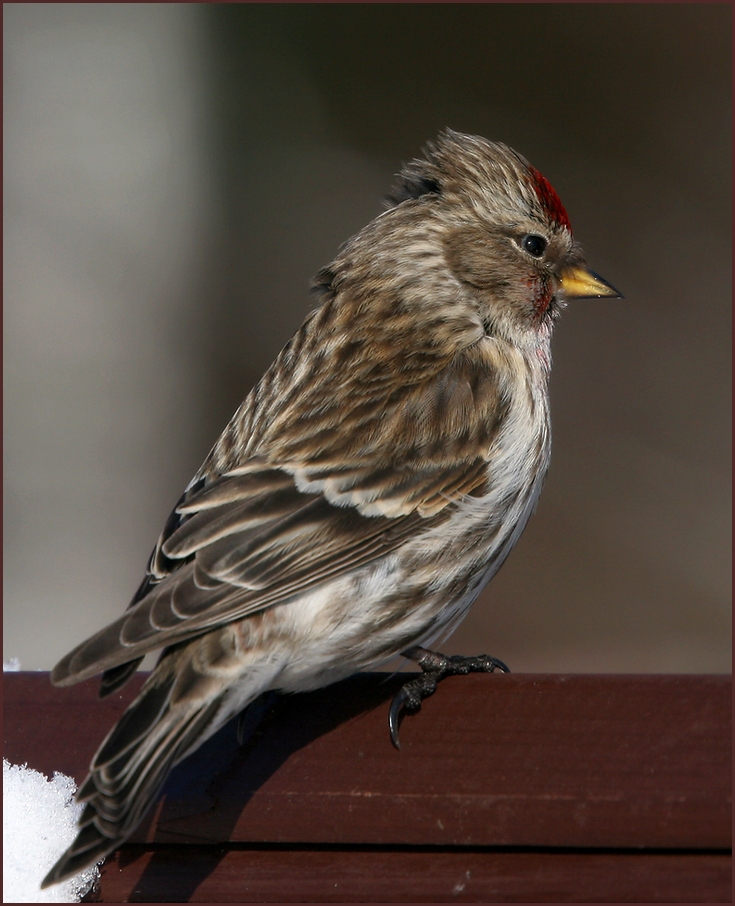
(243, 875)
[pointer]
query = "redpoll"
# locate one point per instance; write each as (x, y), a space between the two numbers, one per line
(368, 487)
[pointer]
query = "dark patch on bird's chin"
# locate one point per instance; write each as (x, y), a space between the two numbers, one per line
(412, 186)
(544, 300)
(554, 308)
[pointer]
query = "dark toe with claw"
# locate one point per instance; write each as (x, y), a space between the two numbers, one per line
(398, 702)
(483, 663)
(434, 667)
(409, 697)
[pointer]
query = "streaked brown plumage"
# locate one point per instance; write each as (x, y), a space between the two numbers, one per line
(368, 487)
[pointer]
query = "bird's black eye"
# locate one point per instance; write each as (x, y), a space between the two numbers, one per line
(534, 245)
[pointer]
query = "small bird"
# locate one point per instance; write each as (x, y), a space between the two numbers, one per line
(366, 490)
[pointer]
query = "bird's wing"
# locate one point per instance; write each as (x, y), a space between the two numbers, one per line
(245, 550)
(305, 511)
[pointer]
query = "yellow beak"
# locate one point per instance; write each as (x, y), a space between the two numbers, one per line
(581, 283)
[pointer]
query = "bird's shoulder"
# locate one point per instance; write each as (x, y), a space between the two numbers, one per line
(353, 386)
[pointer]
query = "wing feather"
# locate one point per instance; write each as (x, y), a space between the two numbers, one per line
(278, 524)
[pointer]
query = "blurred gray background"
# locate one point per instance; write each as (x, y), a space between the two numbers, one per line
(175, 174)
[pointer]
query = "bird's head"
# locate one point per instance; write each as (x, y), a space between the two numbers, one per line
(505, 233)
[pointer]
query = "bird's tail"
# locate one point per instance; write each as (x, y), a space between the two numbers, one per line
(159, 728)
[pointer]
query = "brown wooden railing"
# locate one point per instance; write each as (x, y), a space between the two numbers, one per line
(531, 788)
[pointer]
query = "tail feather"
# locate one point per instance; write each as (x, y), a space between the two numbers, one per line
(72, 863)
(87, 838)
(133, 727)
(130, 768)
(86, 790)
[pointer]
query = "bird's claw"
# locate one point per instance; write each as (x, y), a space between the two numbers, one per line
(410, 697)
(399, 700)
(434, 668)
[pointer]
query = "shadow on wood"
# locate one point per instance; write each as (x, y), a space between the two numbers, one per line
(507, 788)
(218, 780)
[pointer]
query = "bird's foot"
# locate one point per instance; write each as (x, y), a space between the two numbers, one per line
(434, 668)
